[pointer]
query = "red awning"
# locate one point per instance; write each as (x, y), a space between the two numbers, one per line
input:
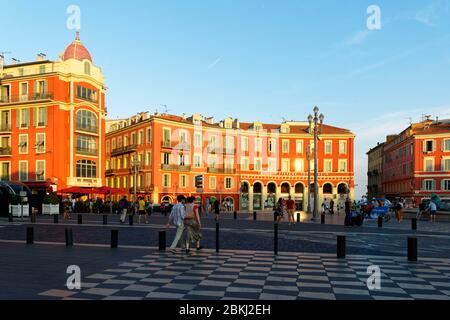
(101, 190)
(77, 190)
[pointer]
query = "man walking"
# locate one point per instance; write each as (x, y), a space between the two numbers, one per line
(291, 209)
(176, 218)
(432, 207)
(123, 207)
(332, 206)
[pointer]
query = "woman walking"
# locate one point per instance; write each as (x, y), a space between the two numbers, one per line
(192, 224)
(280, 209)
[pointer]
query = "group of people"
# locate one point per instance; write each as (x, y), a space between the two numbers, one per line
(285, 207)
(328, 206)
(186, 218)
(213, 206)
(143, 208)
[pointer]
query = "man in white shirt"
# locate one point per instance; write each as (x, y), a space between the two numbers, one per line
(176, 218)
(433, 209)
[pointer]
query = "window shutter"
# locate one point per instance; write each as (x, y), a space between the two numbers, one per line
(424, 146)
(46, 86)
(27, 117)
(45, 117)
(434, 145)
(18, 118)
(35, 88)
(433, 184)
(35, 116)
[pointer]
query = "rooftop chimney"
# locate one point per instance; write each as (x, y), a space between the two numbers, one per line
(40, 57)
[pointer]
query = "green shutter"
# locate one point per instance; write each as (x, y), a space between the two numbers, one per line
(45, 117)
(18, 118)
(35, 116)
(27, 117)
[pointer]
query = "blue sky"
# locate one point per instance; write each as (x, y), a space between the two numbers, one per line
(256, 60)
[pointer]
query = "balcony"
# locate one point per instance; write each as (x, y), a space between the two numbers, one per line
(26, 98)
(174, 167)
(215, 170)
(84, 182)
(109, 172)
(91, 129)
(87, 152)
(166, 144)
(5, 128)
(5, 151)
(230, 170)
(142, 189)
(124, 150)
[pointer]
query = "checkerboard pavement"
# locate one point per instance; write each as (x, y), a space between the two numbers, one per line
(241, 275)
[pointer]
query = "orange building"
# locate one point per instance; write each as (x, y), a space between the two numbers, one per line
(52, 121)
(416, 162)
(250, 164)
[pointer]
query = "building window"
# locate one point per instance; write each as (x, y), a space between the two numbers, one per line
(342, 165)
(125, 182)
(429, 165)
(87, 68)
(429, 185)
(445, 164)
(40, 117)
(23, 170)
(299, 146)
(446, 185)
(272, 145)
(285, 165)
(446, 145)
(40, 142)
(328, 165)
(183, 181)
(258, 145)
(166, 137)
(23, 121)
(197, 160)
(272, 165)
(149, 135)
(148, 159)
(166, 180)
(84, 93)
(197, 140)
(86, 169)
(328, 147)
(86, 145)
(23, 144)
(228, 183)
(24, 91)
(429, 146)
(244, 142)
(244, 164)
(299, 165)
(141, 137)
(40, 170)
(343, 147)
(229, 144)
(212, 182)
(229, 163)
(86, 121)
(166, 158)
(285, 147)
(258, 164)
(183, 137)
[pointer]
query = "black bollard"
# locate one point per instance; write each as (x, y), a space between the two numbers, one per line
(10, 218)
(80, 218)
(114, 239)
(299, 217)
(254, 215)
(55, 218)
(380, 222)
(217, 237)
(340, 247)
(414, 224)
(235, 215)
(105, 219)
(131, 219)
(69, 237)
(162, 240)
(275, 238)
(322, 218)
(412, 249)
(30, 235)
(275, 216)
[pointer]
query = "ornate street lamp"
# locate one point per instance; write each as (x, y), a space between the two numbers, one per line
(135, 163)
(315, 123)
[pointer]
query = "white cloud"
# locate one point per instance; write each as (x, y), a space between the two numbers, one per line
(212, 65)
(431, 14)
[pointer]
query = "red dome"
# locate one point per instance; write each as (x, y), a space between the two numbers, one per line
(76, 50)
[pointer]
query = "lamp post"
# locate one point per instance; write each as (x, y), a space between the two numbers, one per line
(315, 123)
(308, 159)
(135, 163)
